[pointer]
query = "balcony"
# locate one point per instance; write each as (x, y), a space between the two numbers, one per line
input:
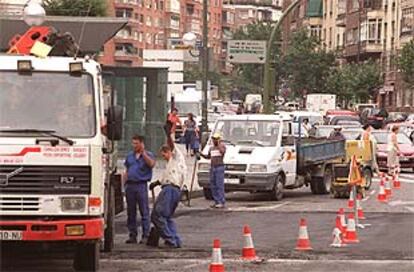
(341, 20)
(125, 4)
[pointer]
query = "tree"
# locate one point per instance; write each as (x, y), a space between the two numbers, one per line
(406, 63)
(355, 81)
(249, 77)
(306, 66)
(96, 8)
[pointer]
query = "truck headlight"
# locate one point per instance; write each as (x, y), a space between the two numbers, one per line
(258, 168)
(73, 204)
(203, 166)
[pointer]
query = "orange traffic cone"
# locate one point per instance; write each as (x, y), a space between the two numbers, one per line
(338, 224)
(303, 240)
(341, 213)
(396, 181)
(382, 197)
(387, 187)
(351, 200)
(248, 253)
(217, 262)
(350, 234)
(359, 207)
(337, 238)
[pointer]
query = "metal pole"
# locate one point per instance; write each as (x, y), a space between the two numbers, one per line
(359, 30)
(267, 74)
(205, 68)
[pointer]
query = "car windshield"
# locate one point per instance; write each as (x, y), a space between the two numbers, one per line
(47, 101)
(382, 138)
(188, 107)
(242, 132)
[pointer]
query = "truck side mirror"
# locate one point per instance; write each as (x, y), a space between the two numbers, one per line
(115, 123)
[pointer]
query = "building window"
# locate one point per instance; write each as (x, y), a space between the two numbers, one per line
(371, 31)
(123, 13)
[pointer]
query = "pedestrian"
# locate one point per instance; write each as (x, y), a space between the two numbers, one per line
(393, 161)
(139, 164)
(216, 155)
(336, 134)
(367, 136)
(190, 134)
(174, 119)
(306, 126)
(172, 182)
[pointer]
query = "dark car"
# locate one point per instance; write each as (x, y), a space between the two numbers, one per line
(345, 120)
(396, 117)
(374, 117)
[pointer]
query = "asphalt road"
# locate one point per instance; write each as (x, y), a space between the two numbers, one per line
(387, 244)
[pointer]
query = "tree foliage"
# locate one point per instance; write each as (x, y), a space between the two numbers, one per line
(355, 81)
(96, 8)
(249, 77)
(406, 63)
(306, 67)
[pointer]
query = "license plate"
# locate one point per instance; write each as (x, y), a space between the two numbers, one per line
(11, 235)
(231, 181)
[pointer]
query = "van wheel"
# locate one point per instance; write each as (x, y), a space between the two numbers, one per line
(86, 257)
(367, 174)
(277, 192)
(207, 194)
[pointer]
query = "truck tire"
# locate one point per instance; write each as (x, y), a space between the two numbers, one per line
(367, 174)
(86, 257)
(277, 192)
(109, 234)
(207, 194)
(322, 185)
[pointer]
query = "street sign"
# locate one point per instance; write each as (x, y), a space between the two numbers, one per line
(245, 51)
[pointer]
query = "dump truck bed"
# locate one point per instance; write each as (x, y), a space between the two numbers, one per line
(314, 152)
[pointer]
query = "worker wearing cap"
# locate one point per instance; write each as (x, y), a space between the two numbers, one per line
(336, 134)
(216, 155)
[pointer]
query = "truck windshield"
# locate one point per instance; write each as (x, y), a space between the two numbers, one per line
(242, 132)
(47, 101)
(188, 107)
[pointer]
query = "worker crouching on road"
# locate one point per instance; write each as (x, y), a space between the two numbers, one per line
(171, 182)
(139, 164)
(216, 155)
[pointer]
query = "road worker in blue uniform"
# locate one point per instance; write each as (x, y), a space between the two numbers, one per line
(139, 164)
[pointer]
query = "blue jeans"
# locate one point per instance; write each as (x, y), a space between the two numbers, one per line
(217, 184)
(137, 194)
(161, 216)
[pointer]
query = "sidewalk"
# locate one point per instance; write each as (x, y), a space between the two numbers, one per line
(160, 167)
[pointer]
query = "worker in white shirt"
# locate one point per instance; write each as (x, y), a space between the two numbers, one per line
(171, 182)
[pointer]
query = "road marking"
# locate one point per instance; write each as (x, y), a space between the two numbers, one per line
(195, 262)
(372, 192)
(411, 209)
(400, 203)
(403, 179)
(263, 208)
(366, 199)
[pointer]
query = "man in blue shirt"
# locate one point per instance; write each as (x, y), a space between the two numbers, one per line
(139, 164)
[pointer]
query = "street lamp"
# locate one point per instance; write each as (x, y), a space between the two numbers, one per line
(34, 14)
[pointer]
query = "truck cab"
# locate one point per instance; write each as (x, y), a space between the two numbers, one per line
(57, 182)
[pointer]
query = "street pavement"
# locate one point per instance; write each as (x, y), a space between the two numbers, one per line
(387, 244)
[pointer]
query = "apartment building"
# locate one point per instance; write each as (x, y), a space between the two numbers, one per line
(307, 14)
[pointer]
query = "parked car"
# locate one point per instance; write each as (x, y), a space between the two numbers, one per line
(360, 107)
(396, 117)
(345, 120)
(374, 117)
(410, 118)
(334, 113)
(406, 127)
(405, 144)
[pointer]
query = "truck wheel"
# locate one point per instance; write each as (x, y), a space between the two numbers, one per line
(277, 192)
(326, 185)
(368, 178)
(86, 257)
(207, 194)
(314, 185)
(108, 243)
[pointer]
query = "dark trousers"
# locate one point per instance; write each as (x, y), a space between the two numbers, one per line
(217, 184)
(137, 194)
(161, 216)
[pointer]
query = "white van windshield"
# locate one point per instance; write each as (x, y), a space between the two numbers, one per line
(242, 132)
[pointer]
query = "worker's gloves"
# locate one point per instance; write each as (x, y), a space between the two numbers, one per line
(154, 184)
